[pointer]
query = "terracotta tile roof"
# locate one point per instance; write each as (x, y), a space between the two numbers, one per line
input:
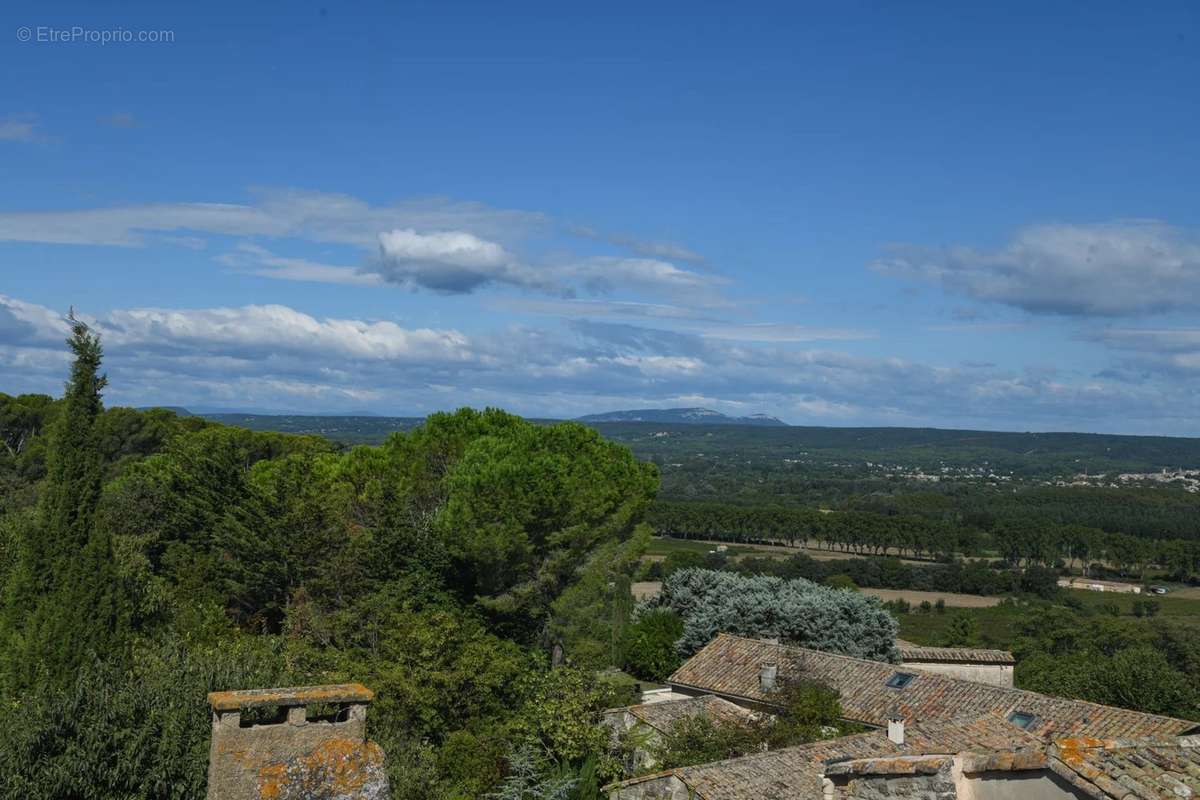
(661, 716)
(1153, 769)
(729, 666)
(788, 772)
(988, 733)
(1162, 768)
(916, 653)
(793, 772)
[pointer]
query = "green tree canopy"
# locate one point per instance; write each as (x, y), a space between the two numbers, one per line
(63, 603)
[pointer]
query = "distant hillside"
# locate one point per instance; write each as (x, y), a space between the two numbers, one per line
(347, 429)
(177, 410)
(693, 416)
(725, 442)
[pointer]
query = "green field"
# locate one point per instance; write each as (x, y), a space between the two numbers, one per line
(1000, 626)
(664, 547)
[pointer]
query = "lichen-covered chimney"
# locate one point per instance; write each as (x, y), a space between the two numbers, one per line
(267, 746)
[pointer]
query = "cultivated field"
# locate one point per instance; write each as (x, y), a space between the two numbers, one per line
(644, 590)
(1190, 593)
(951, 599)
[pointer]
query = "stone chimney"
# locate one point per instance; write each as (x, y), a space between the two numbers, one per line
(767, 674)
(896, 728)
(300, 742)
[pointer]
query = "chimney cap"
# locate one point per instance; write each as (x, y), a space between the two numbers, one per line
(290, 696)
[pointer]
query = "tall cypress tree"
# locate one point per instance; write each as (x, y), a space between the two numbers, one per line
(62, 603)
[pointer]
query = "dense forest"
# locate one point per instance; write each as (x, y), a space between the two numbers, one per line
(149, 558)
(1024, 538)
(993, 494)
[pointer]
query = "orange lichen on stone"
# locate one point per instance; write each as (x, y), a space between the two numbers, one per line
(290, 696)
(338, 768)
(1069, 750)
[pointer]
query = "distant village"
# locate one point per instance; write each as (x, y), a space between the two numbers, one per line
(1186, 479)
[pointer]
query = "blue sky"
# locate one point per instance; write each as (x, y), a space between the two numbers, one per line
(946, 214)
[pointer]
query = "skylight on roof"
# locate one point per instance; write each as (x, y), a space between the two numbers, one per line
(1021, 719)
(899, 680)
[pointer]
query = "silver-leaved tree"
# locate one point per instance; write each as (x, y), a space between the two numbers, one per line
(795, 611)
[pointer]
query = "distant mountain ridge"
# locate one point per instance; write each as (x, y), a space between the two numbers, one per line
(698, 416)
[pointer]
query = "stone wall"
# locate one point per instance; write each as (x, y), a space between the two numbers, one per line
(643, 738)
(918, 779)
(663, 787)
(994, 674)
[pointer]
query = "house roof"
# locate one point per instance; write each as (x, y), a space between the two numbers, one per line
(1162, 768)
(916, 653)
(987, 733)
(1121, 769)
(796, 771)
(661, 716)
(788, 772)
(729, 666)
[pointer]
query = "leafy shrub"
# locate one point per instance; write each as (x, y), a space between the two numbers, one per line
(117, 733)
(1145, 608)
(841, 581)
(700, 740)
(649, 644)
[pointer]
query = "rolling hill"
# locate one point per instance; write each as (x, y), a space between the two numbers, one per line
(692, 416)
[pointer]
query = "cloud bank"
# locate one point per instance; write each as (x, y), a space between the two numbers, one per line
(1112, 269)
(276, 356)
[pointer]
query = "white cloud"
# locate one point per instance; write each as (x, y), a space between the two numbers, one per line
(604, 274)
(458, 248)
(1119, 268)
(458, 262)
(643, 247)
(438, 245)
(781, 332)
(316, 216)
(275, 328)
(452, 262)
(259, 261)
(19, 128)
(29, 322)
(576, 307)
(1174, 352)
(275, 356)
(127, 226)
(1154, 339)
